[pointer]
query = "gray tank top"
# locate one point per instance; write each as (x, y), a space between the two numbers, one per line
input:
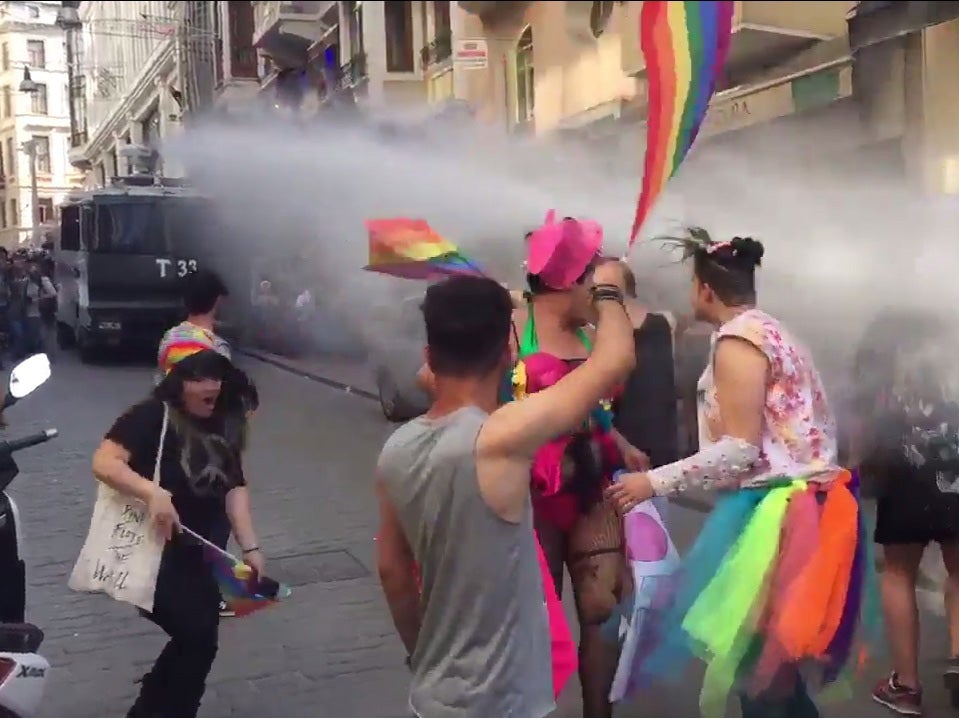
(484, 643)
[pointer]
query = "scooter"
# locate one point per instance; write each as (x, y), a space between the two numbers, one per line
(23, 672)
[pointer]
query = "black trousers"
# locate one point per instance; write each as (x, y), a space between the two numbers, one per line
(186, 607)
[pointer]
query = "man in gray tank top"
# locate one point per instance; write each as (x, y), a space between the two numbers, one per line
(454, 499)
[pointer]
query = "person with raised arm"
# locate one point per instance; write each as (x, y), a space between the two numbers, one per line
(454, 491)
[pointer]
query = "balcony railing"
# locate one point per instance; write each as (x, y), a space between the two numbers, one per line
(438, 51)
(354, 72)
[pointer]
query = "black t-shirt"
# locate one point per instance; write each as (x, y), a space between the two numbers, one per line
(198, 466)
(907, 391)
(646, 411)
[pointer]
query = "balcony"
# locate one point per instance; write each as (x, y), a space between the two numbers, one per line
(871, 23)
(354, 72)
(285, 30)
(765, 34)
(438, 52)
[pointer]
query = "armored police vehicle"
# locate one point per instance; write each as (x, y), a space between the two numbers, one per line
(120, 255)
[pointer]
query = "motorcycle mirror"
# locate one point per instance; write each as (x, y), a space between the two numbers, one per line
(28, 375)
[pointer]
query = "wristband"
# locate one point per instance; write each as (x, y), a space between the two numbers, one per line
(608, 292)
(251, 550)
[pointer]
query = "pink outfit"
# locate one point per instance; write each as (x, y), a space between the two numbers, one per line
(558, 507)
(565, 656)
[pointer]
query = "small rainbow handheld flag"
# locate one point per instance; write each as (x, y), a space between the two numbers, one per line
(240, 588)
(685, 45)
(413, 250)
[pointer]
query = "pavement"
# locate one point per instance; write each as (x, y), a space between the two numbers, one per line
(330, 650)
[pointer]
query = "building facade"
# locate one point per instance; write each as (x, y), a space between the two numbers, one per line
(127, 80)
(870, 81)
(374, 55)
(35, 175)
(860, 85)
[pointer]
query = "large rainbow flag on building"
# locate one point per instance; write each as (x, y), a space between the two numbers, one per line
(685, 45)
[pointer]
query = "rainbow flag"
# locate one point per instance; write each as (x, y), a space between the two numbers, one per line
(413, 250)
(685, 45)
(243, 591)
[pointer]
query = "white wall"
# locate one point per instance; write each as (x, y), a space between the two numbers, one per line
(21, 23)
(129, 56)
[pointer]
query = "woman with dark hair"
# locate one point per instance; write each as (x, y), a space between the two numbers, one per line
(202, 487)
(775, 579)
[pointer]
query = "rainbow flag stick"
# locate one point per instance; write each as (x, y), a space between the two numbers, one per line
(240, 587)
(685, 45)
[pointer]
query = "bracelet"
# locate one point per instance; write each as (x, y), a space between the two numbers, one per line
(608, 292)
(251, 550)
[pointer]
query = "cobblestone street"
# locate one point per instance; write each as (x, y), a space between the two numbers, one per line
(329, 650)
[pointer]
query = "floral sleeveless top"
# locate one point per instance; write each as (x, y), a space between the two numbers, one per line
(799, 436)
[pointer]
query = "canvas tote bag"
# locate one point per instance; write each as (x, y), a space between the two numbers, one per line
(121, 555)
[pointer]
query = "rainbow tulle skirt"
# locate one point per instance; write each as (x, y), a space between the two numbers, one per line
(781, 579)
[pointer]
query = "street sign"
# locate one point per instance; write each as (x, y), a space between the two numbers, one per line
(471, 54)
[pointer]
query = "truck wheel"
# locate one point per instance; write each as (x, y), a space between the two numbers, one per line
(392, 404)
(65, 337)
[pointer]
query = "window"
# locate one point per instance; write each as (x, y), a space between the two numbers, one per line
(136, 228)
(243, 57)
(599, 15)
(441, 19)
(5, 56)
(151, 127)
(355, 16)
(42, 145)
(70, 230)
(12, 158)
(3, 172)
(47, 211)
(13, 214)
(36, 54)
(399, 35)
(38, 100)
(7, 104)
(525, 80)
(3, 215)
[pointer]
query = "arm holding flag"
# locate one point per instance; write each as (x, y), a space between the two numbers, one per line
(241, 521)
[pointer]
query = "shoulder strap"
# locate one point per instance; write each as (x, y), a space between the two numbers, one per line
(584, 338)
(529, 342)
(163, 430)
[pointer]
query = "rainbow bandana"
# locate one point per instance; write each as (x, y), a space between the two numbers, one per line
(182, 341)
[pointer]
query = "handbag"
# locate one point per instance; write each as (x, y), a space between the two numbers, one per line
(122, 552)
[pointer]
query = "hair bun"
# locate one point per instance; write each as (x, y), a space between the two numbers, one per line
(747, 249)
